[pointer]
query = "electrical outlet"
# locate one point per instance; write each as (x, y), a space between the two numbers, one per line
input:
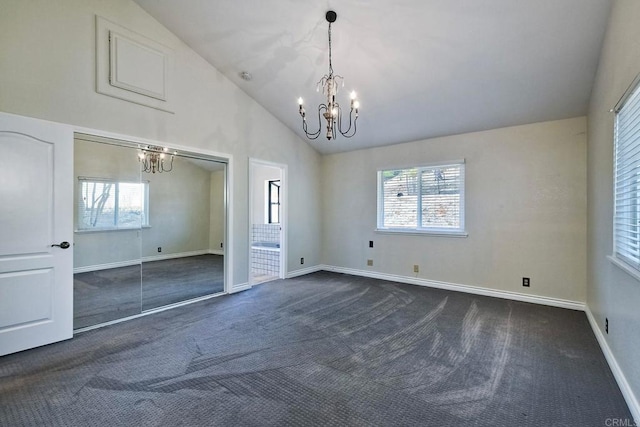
(301, 260)
(370, 243)
(526, 282)
(416, 268)
(159, 249)
(370, 262)
(220, 245)
(606, 324)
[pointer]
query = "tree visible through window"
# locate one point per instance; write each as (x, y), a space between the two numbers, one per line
(425, 199)
(106, 205)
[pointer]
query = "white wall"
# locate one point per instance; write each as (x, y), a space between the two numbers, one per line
(47, 70)
(525, 210)
(611, 292)
(216, 227)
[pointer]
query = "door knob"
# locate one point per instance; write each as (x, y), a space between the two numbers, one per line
(63, 245)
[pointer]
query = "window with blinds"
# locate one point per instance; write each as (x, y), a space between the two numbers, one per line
(426, 199)
(627, 178)
(105, 204)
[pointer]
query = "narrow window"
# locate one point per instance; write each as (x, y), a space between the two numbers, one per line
(273, 207)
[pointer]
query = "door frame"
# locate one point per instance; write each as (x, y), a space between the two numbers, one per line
(284, 191)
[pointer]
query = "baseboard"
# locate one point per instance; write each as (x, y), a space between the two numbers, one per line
(477, 290)
(303, 271)
(128, 263)
(163, 257)
(625, 388)
(106, 266)
(215, 252)
(239, 287)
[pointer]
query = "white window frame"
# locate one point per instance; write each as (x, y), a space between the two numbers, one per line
(626, 182)
(460, 231)
(79, 213)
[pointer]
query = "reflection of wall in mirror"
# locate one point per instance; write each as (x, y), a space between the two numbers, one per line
(180, 208)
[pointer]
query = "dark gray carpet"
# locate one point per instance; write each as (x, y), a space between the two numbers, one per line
(322, 349)
(105, 295)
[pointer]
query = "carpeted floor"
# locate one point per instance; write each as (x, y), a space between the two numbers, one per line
(322, 349)
(105, 295)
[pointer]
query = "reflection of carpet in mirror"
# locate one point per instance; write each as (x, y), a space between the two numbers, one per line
(105, 295)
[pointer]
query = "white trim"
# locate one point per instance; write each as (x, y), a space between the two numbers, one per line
(103, 67)
(416, 232)
(174, 255)
(624, 267)
(239, 287)
(625, 388)
(303, 271)
(284, 205)
(215, 252)
(106, 266)
(477, 290)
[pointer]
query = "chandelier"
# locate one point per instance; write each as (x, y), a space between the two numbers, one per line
(331, 111)
(154, 159)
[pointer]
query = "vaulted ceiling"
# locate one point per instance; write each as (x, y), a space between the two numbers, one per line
(421, 68)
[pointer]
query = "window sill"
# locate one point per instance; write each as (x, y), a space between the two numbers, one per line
(434, 233)
(103, 230)
(624, 267)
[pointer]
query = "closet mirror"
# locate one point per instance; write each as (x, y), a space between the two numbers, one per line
(145, 238)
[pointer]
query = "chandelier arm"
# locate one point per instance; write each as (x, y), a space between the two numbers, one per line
(352, 122)
(170, 165)
(316, 134)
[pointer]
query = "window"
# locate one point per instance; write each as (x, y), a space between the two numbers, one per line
(627, 178)
(427, 199)
(273, 203)
(105, 204)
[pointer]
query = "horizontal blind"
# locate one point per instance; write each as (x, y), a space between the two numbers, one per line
(440, 197)
(627, 181)
(422, 198)
(400, 198)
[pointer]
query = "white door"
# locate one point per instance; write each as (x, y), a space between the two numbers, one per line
(36, 212)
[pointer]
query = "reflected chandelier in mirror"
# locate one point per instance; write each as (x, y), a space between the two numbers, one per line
(156, 159)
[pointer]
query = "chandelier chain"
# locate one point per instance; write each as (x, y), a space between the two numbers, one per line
(330, 64)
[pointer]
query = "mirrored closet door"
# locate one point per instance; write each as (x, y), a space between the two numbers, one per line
(149, 229)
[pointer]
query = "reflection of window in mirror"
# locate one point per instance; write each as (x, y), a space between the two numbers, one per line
(105, 204)
(273, 204)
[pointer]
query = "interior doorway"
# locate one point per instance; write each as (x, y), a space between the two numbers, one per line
(267, 221)
(148, 239)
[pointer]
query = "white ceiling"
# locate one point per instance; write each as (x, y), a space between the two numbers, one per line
(421, 68)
